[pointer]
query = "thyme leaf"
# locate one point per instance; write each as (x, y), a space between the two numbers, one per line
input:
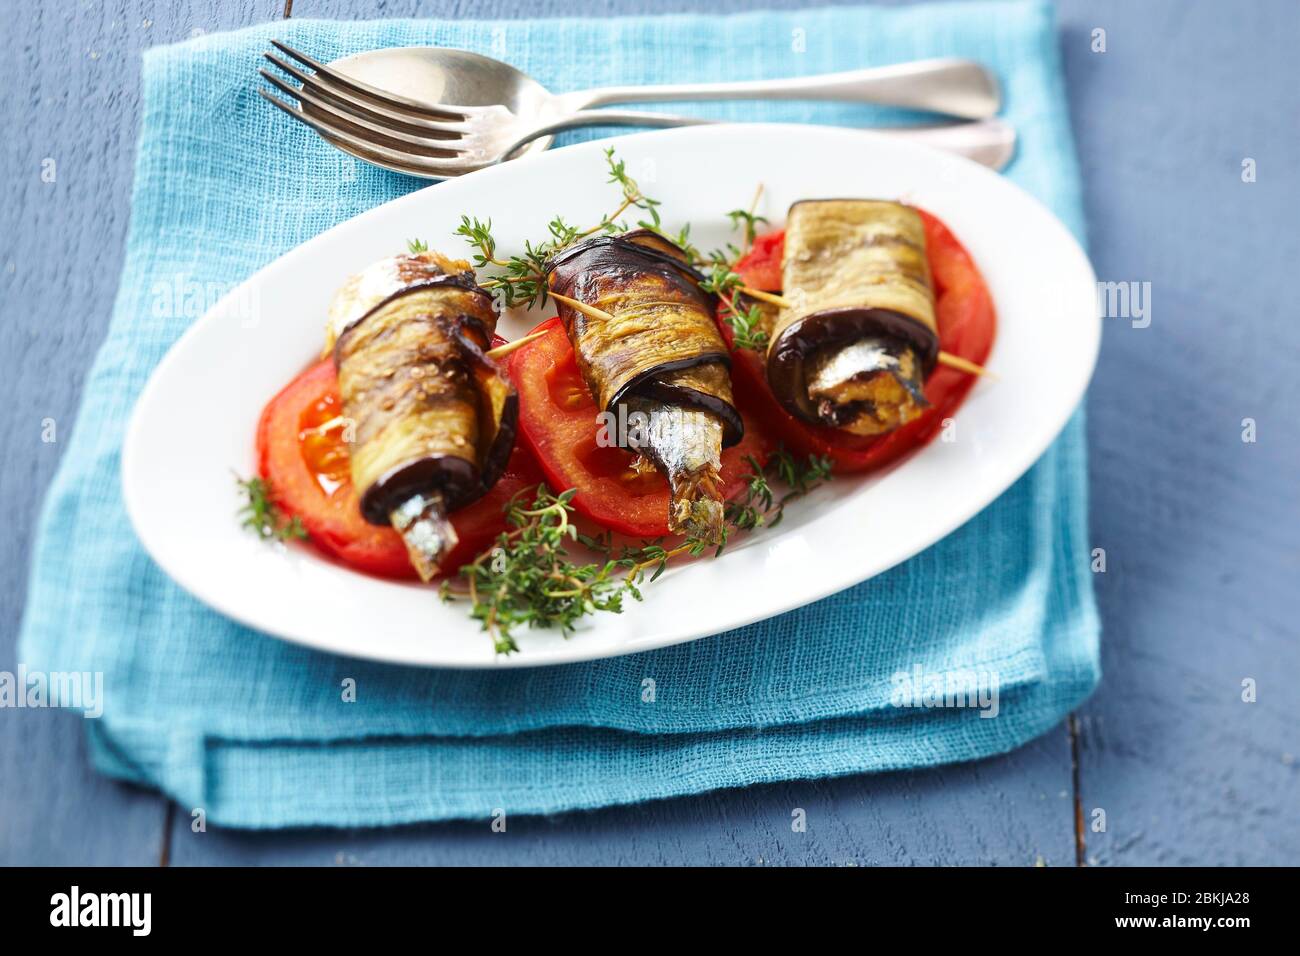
(746, 219)
(261, 516)
(522, 278)
(746, 323)
(759, 505)
(527, 578)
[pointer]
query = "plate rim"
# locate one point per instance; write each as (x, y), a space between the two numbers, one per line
(573, 649)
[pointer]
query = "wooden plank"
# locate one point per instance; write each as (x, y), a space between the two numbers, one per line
(69, 92)
(1199, 527)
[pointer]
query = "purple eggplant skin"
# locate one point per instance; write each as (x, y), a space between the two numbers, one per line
(855, 270)
(664, 344)
(432, 414)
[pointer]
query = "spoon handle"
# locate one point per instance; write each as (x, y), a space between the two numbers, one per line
(990, 143)
(955, 87)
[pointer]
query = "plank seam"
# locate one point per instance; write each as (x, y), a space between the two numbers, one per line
(1080, 847)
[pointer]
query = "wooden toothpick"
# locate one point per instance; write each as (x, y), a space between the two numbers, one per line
(582, 307)
(770, 297)
(964, 365)
(503, 350)
(588, 310)
(945, 358)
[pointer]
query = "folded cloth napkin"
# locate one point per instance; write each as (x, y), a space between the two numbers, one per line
(255, 730)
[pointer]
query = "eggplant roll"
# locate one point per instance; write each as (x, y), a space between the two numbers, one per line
(659, 354)
(858, 338)
(433, 418)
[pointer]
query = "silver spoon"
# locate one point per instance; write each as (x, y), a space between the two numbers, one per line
(437, 112)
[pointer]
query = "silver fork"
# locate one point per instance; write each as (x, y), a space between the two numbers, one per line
(446, 140)
(440, 141)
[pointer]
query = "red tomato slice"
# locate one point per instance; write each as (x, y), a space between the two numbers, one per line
(306, 464)
(761, 266)
(967, 325)
(558, 421)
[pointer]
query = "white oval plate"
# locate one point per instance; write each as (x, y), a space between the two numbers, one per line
(177, 478)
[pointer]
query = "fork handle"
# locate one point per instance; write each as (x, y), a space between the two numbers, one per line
(948, 85)
(583, 118)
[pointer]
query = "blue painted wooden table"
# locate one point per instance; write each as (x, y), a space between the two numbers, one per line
(1199, 593)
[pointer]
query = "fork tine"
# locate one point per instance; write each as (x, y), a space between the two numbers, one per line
(421, 144)
(426, 169)
(427, 166)
(381, 97)
(364, 109)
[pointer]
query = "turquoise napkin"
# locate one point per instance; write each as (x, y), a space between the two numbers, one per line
(256, 732)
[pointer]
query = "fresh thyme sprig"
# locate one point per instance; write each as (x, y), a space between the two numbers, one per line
(746, 324)
(759, 505)
(416, 246)
(633, 198)
(262, 517)
(528, 578)
(750, 510)
(522, 278)
(749, 220)
(724, 282)
(801, 476)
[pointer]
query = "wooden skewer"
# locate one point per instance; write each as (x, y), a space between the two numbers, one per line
(503, 350)
(945, 358)
(964, 365)
(769, 297)
(587, 310)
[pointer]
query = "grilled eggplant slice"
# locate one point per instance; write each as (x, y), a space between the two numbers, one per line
(660, 354)
(433, 418)
(854, 346)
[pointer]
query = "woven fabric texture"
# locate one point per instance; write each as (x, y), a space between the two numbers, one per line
(254, 730)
